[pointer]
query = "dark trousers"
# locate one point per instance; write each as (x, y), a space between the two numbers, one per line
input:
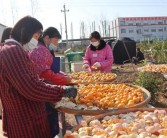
(53, 120)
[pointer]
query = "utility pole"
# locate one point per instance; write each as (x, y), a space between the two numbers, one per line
(64, 10)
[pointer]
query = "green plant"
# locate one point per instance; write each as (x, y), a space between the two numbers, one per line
(156, 50)
(144, 46)
(151, 81)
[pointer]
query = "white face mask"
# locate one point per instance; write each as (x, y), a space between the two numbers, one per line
(95, 43)
(32, 44)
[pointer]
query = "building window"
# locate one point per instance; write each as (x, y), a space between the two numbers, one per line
(138, 31)
(145, 23)
(153, 30)
(138, 24)
(130, 24)
(160, 29)
(122, 23)
(160, 23)
(146, 30)
(153, 23)
(123, 31)
(131, 31)
(164, 28)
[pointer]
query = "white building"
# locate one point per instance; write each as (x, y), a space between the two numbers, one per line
(140, 28)
(2, 27)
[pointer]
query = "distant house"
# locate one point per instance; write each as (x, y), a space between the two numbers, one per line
(2, 27)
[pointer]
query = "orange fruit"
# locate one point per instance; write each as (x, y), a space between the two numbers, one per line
(136, 99)
(89, 104)
(121, 105)
(130, 103)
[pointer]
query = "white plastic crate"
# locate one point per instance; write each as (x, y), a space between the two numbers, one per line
(76, 67)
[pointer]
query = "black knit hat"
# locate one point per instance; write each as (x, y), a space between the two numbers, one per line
(51, 32)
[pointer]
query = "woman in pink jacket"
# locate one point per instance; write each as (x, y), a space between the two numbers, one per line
(98, 55)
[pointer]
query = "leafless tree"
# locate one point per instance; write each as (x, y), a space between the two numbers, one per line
(14, 11)
(105, 31)
(3, 13)
(34, 6)
(103, 26)
(82, 30)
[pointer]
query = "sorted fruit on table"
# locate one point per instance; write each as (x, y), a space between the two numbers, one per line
(91, 77)
(162, 68)
(99, 98)
(106, 96)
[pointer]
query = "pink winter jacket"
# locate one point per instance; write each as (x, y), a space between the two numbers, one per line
(104, 56)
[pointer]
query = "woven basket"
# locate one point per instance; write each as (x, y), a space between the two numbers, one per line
(106, 81)
(146, 95)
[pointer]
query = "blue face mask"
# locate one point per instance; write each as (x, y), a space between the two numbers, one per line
(51, 46)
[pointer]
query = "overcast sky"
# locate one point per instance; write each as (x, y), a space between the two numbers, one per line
(48, 12)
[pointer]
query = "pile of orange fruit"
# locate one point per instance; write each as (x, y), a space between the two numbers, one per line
(105, 96)
(154, 68)
(89, 77)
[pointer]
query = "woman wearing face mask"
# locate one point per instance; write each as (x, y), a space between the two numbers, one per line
(98, 55)
(42, 56)
(50, 39)
(22, 93)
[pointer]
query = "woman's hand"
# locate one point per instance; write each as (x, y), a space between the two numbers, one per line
(96, 65)
(70, 91)
(85, 66)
